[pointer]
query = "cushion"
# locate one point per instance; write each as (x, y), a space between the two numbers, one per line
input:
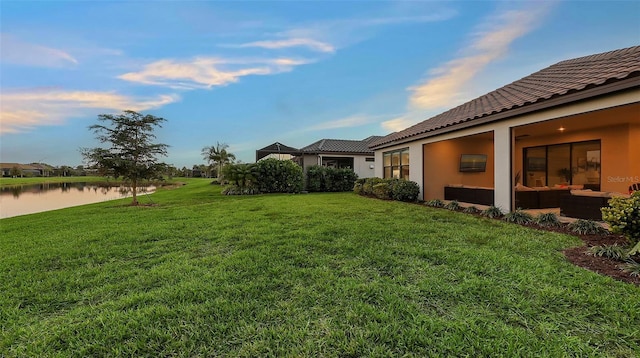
(520, 187)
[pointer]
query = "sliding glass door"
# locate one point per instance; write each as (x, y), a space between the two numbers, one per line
(563, 164)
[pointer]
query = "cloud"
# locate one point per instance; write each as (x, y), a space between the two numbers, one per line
(18, 52)
(447, 84)
(208, 72)
(23, 111)
(397, 124)
(291, 42)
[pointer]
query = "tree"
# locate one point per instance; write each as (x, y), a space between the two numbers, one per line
(132, 153)
(217, 156)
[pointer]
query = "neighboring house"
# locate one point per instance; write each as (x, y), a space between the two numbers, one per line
(575, 124)
(338, 153)
(34, 169)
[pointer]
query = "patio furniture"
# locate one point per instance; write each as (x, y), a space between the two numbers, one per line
(469, 194)
(584, 205)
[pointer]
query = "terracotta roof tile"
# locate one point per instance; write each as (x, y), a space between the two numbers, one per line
(556, 80)
(341, 146)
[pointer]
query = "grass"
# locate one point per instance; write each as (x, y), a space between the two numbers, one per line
(333, 275)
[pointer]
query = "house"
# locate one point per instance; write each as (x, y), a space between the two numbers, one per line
(567, 131)
(31, 170)
(338, 153)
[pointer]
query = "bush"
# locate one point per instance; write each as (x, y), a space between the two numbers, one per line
(548, 220)
(357, 188)
(471, 210)
(278, 176)
(405, 190)
(585, 227)
(492, 212)
(315, 178)
(330, 179)
(367, 187)
(236, 190)
(435, 203)
(623, 217)
(382, 190)
(453, 205)
(242, 175)
(611, 251)
(518, 217)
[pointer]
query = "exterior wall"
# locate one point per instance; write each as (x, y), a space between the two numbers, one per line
(415, 163)
(442, 164)
(361, 166)
(622, 152)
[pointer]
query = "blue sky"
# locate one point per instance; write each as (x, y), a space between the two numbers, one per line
(253, 73)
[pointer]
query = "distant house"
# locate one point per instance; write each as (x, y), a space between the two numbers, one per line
(30, 170)
(573, 125)
(337, 153)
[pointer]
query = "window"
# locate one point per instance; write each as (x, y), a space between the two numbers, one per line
(563, 164)
(396, 164)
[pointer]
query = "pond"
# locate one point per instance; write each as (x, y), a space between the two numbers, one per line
(28, 199)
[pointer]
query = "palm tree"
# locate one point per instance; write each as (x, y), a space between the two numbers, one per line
(217, 156)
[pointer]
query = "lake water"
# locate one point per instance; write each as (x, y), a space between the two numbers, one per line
(29, 199)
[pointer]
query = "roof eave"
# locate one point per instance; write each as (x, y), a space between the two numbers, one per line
(602, 90)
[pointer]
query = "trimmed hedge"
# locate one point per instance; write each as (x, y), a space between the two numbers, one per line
(389, 189)
(323, 179)
(278, 176)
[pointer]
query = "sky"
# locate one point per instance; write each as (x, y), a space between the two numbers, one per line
(251, 73)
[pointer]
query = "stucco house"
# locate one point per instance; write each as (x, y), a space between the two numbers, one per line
(555, 138)
(338, 153)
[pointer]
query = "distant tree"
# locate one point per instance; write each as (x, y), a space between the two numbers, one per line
(16, 172)
(217, 157)
(132, 153)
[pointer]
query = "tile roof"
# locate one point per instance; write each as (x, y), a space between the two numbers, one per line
(563, 78)
(341, 146)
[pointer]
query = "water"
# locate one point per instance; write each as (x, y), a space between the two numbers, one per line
(29, 199)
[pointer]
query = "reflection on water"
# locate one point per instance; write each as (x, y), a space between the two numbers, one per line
(28, 199)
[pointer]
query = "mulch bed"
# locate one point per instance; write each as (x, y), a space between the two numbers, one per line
(580, 256)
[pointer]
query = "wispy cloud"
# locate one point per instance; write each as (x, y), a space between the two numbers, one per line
(17, 52)
(23, 111)
(291, 42)
(208, 72)
(447, 83)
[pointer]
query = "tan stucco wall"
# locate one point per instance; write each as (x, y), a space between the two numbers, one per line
(620, 152)
(442, 162)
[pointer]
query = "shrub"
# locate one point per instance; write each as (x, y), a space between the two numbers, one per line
(492, 212)
(632, 267)
(278, 176)
(367, 187)
(452, 205)
(623, 217)
(315, 178)
(435, 203)
(611, 251)
(382, 191)
(585, 227)
(405, 190)
(518, 217)
(236, 190)
(471, 210)
(357, 188)
(242, 175)
(548, 220)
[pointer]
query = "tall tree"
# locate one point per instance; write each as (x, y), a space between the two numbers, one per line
(218, 156)
(132, 154)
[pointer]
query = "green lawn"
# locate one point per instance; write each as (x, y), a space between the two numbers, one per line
(334, 275)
